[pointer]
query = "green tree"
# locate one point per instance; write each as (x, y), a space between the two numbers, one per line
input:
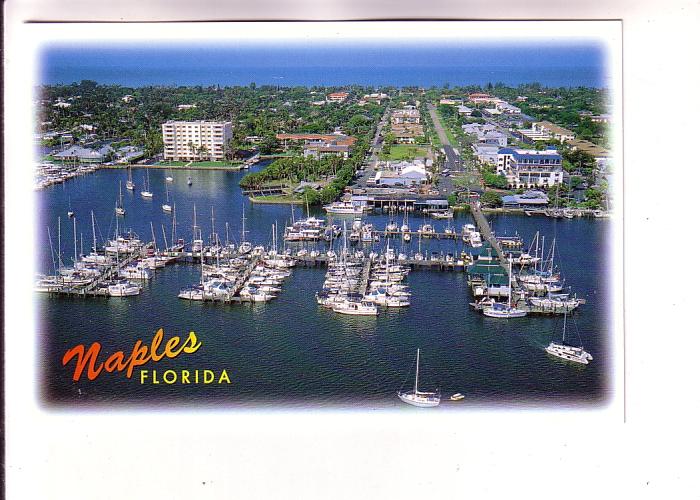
(491, 199)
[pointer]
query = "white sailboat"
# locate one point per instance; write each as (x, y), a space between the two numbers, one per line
(419, 398)
(245, 246)
(500, 310)
(167, 207)
(130, 183)
(567, 352)
(146, 193)
(119, 209)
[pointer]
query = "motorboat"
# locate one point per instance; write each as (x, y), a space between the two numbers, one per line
(123, 288)
(356, 308)
(343, 208)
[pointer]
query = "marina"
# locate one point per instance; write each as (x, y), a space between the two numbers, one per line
(438, 275)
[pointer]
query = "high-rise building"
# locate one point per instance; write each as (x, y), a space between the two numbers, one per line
(186, 141)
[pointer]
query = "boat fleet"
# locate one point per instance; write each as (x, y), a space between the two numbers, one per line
(357, 285)
(48, 174)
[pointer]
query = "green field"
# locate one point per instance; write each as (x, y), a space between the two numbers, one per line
(405, 152)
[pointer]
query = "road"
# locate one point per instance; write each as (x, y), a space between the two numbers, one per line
(452, 160)
(369, 171)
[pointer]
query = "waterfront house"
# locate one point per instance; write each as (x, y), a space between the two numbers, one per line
(529, 199)
(84, 155)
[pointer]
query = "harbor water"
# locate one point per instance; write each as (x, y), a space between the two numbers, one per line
(291, 352)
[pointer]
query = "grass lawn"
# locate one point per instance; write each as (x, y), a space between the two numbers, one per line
(405, 152)
(200, 164)
(277, 198)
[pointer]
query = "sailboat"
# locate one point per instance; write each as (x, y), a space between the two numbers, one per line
(70, 210)
(419, 398)
(189, 181)
(169, 177)
(166, 206)
(197, 241)
(146, 193)
(130, 183)
(567, 352)
(119, 209)
(500, 310)
(245, 246)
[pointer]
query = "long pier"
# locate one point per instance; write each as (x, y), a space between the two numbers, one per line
(487, 233)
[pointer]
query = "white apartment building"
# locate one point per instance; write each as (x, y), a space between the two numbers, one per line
(186, 141)
(529, 168)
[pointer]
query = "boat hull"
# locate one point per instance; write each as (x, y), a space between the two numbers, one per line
(419, 401)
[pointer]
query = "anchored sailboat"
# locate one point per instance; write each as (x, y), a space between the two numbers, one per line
(166, 206)
(146, 193)
(419, 398)
(119, 209)
(130, 182)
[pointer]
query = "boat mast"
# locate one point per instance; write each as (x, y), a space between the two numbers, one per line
(243, 227)
(53, 257)
(173, 235)
(510, 281)
(165, 239)
(194, 222)
(153, 235)
(415, 387)
(75, 243)
(60, 259)
(563, 335)
(213, 232)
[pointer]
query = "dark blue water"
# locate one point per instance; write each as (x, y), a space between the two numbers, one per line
(310, 63)
(292, 352)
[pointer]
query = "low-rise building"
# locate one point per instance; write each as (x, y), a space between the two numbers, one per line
(561, 134)
(486, 133)
(464, 110)
(84, 155)
(530, 168)
(486, 153)
(402, 174)
(320, 145)
(337, 96)
(408, 114)
(529, 199)
(481, 98)
(602, 156)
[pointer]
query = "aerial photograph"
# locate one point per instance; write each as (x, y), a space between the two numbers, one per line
(343, 225)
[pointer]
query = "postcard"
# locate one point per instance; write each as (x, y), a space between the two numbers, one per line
(415, 222)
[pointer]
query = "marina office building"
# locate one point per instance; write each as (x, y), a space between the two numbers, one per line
(529, 168)
(200, 140)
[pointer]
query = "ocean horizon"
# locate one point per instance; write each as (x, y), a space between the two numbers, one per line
(130, 66)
